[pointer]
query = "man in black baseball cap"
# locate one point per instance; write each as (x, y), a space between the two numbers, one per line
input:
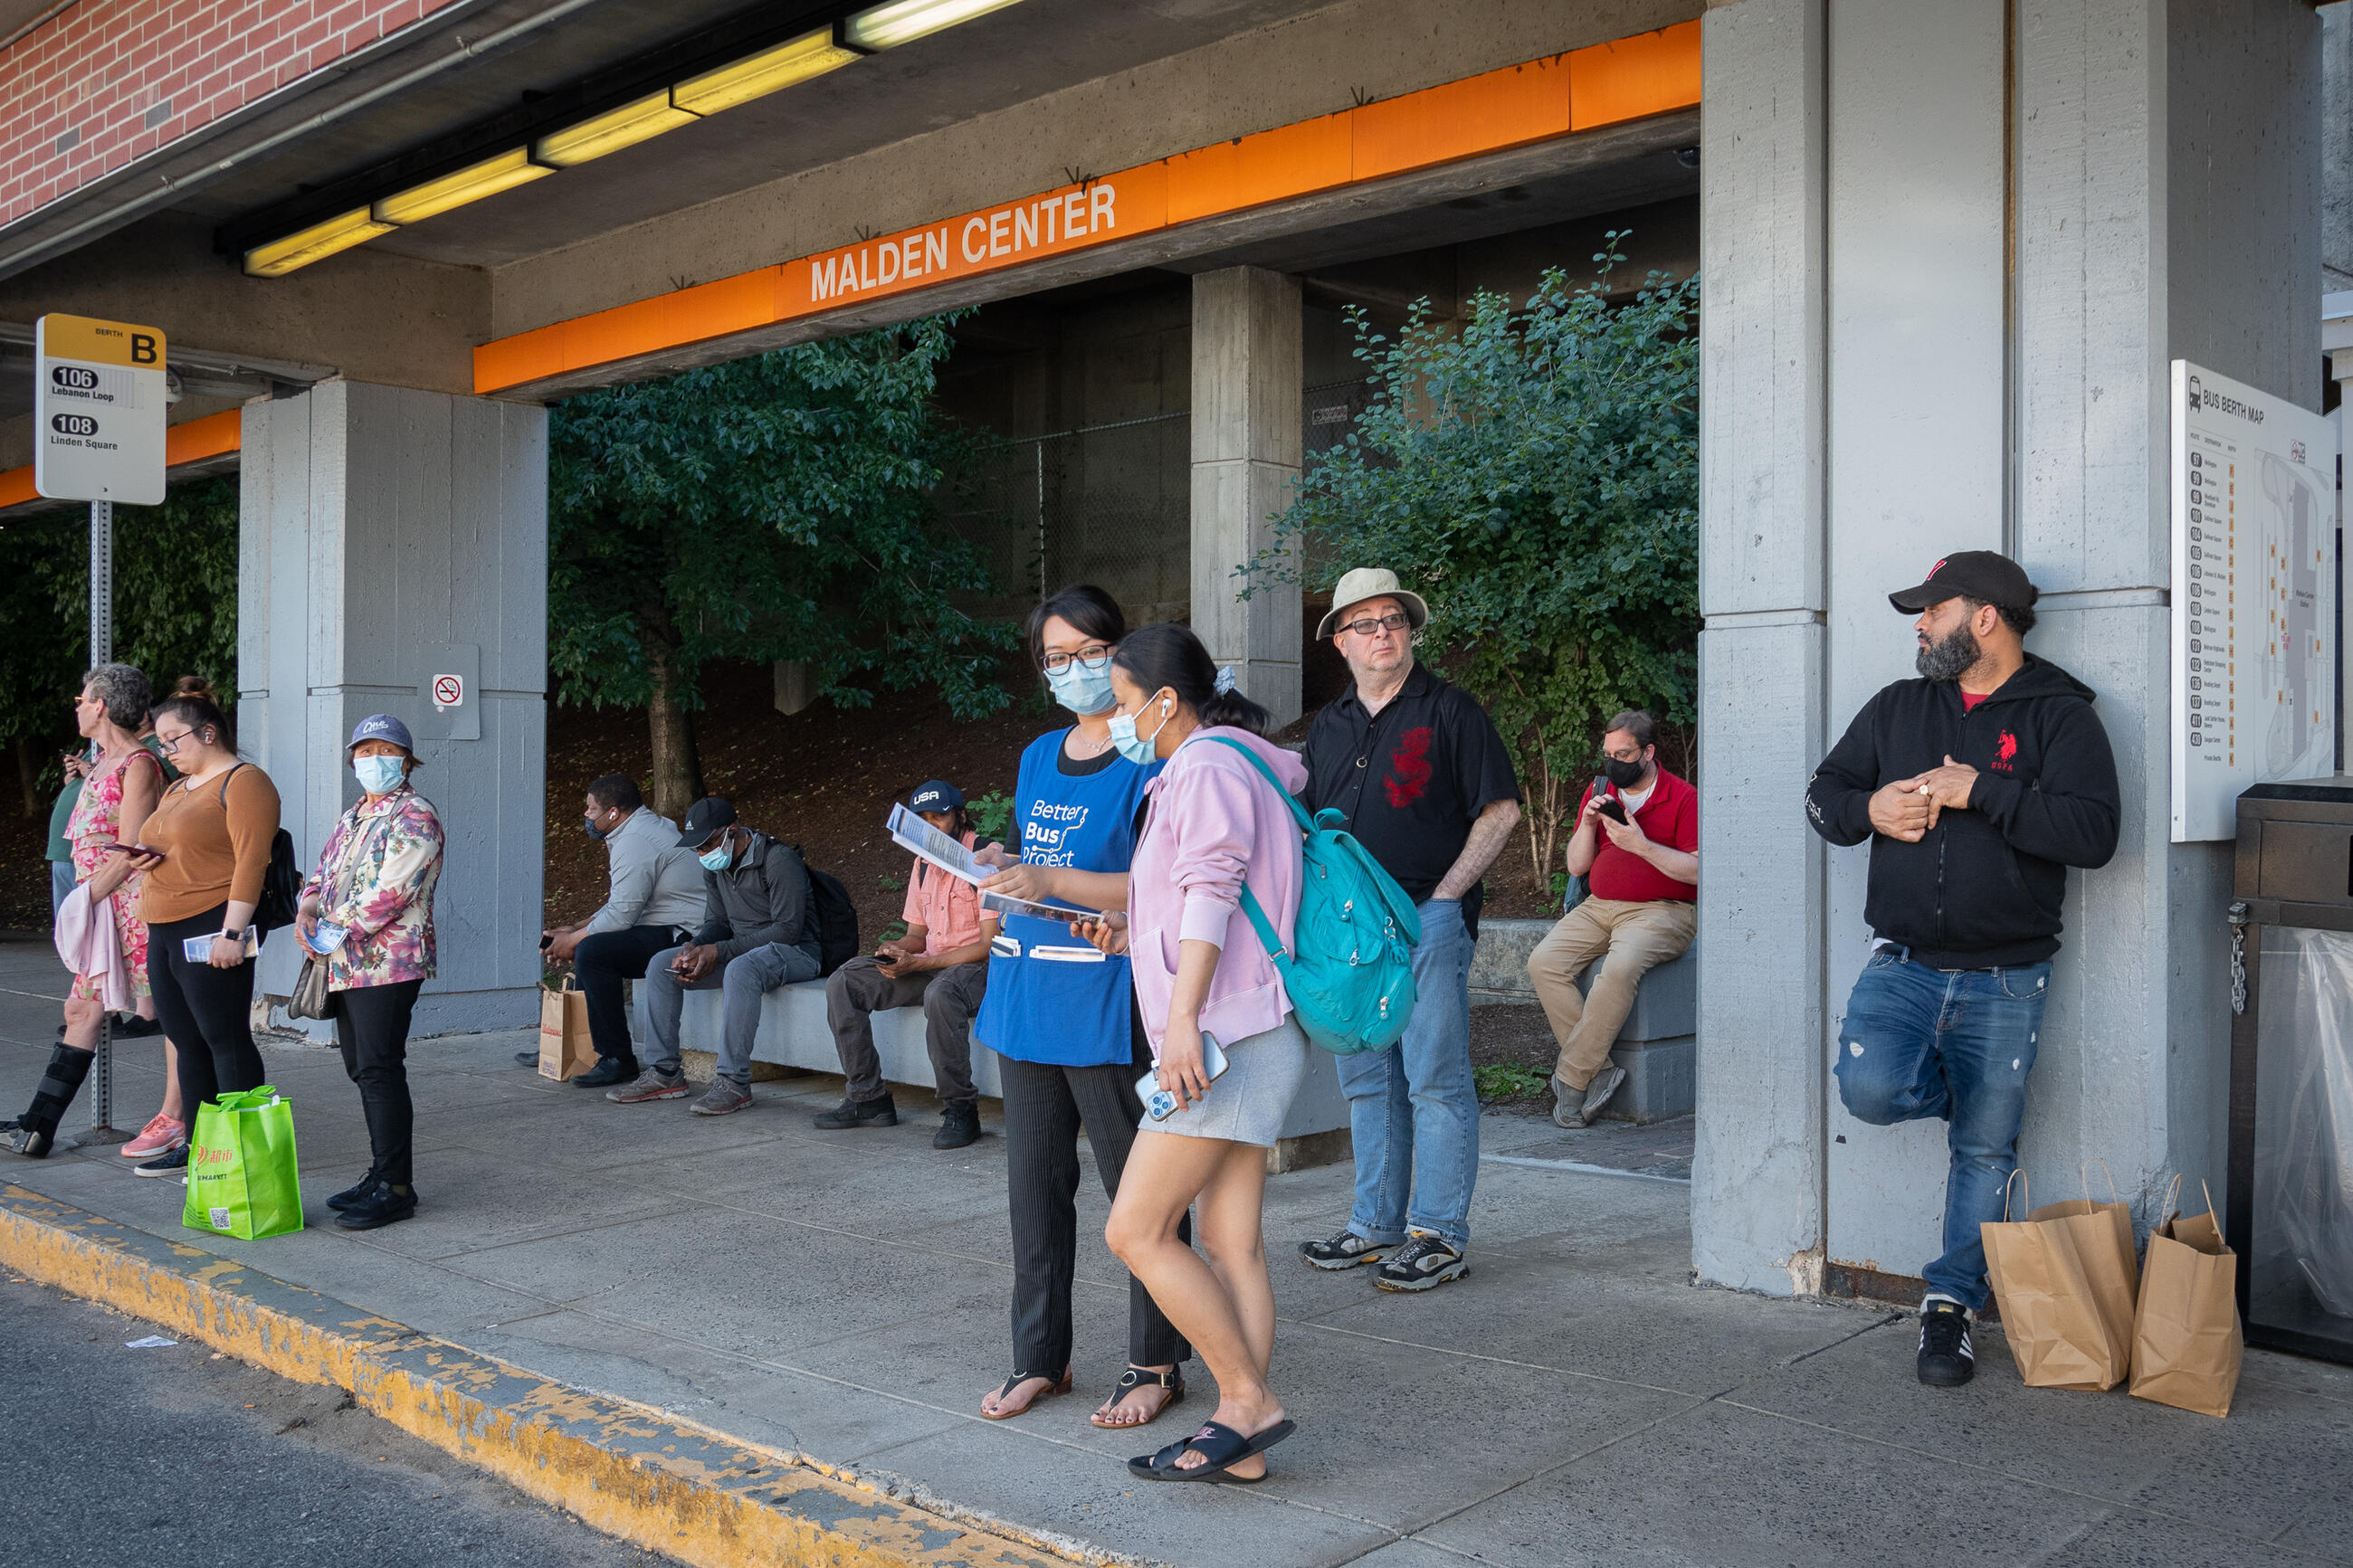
(759, 931)
(1977, 785)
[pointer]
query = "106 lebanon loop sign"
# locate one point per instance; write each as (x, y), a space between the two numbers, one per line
(98, 402)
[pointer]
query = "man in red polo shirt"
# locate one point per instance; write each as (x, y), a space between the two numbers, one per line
(1637, 845)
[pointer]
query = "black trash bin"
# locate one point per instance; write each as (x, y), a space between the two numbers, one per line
(2290, 1212)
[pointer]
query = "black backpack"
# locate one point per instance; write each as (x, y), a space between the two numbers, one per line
(282, 884)
(836, 919)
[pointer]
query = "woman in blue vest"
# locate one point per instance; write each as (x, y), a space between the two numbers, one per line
(1060, 1015)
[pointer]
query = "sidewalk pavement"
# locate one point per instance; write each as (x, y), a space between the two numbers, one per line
(1575, 1400)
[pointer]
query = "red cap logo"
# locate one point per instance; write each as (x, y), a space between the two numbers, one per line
(1940, 567)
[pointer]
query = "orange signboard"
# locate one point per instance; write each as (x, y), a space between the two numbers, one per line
(1630, 78)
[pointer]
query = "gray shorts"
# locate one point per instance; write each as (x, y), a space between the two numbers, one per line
(1248, 1102)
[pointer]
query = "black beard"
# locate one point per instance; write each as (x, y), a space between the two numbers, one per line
(1949, 659)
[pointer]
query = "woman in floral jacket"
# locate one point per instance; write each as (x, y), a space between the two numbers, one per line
(368, 913)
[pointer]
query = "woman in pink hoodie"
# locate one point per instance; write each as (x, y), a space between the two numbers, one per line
(1215, 825)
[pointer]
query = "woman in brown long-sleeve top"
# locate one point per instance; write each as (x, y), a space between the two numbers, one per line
(210, 836)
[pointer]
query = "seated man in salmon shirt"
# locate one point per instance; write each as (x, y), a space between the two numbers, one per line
(941, 962)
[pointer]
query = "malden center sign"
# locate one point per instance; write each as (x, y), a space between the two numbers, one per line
(98, 404)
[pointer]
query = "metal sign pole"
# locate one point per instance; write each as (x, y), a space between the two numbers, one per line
(101, 651)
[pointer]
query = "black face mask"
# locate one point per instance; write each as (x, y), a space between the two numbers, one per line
(1625, 775)
(588, 825)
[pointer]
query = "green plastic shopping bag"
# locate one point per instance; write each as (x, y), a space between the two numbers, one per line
(242, 1180)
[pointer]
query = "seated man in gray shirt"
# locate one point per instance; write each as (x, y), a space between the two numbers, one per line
(759, 931)
(655, 902)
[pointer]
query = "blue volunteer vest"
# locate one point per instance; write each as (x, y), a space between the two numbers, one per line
(1064, 1011)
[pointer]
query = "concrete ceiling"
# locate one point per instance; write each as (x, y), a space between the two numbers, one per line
(1005, 58)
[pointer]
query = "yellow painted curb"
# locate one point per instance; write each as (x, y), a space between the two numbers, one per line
(629, 1470)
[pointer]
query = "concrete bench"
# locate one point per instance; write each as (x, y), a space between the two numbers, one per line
(793, 1033)
(1658, 1046)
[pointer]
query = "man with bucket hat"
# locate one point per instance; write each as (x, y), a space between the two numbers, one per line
(941, 964)
(1426, 784)
(1978, 784)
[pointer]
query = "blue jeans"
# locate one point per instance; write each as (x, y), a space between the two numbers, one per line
(61, 884)
(1413, 1111)
(1955, 1044)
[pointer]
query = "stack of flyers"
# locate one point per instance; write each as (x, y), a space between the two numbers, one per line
(329, 936)
(199, 949)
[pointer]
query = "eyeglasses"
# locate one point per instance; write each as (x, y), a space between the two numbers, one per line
(1092, 657)
(170, 745)
(1632, 755)
(1395, 621)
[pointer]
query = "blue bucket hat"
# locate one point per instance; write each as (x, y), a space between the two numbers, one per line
(382, 727)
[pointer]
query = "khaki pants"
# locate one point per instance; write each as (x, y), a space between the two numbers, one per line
(1634, 937)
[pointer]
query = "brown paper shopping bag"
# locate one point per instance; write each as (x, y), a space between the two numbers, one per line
(2186, 1344)
(563, 1048)
(2066, 1277)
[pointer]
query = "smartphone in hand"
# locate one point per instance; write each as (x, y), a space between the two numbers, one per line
(1612, 806)
(132, 849)
(1159, 1103)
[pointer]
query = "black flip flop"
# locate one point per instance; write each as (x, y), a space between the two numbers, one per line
(1058, 1385)
(1221, 1445)
(1136, 1377)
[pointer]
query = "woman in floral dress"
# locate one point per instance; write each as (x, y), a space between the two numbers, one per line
(121, 790)
(368, 911)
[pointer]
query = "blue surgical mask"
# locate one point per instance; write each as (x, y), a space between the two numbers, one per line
(379, 775)
(1081, 690)
(1141, 750)
(717, 859)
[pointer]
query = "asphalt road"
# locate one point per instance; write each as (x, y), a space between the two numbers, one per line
(180, 1456)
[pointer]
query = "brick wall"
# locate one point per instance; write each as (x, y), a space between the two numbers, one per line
(111, 81)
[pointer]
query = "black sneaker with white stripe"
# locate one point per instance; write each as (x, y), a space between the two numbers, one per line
(1946, 1359)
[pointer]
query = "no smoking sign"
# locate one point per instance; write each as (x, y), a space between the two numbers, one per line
(448, 692)
(449, 677)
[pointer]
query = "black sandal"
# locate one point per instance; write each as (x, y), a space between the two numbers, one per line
(1016, 1380)
(1136, 1377)
(1221, 1445)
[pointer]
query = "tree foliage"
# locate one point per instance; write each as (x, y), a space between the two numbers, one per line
(1535, 474)
(174, 610)
(773, 508)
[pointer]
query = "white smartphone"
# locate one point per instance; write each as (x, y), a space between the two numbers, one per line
(1160, 1104)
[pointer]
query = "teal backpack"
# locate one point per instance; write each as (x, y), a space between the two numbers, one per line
(1350, 970)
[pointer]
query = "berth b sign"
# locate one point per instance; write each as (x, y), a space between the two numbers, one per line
(98, 394)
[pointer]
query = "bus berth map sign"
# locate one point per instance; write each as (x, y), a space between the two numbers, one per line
(2255, 589)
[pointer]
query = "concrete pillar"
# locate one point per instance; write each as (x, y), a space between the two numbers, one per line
(388, 536)
(1937, 321)
(1757, 1177)
(1246, 458)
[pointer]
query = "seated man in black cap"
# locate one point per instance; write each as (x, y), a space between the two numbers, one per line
(759, 931)
(941, 963)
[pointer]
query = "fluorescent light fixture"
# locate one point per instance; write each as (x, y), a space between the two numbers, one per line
(316, 243)
(904, 21)
(472, 184)
(811, 54)
(610, 132)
